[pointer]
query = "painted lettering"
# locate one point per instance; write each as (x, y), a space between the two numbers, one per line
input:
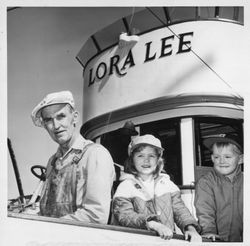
(184, 46)
(147, 57)
(129, 60)
(91, 81)
(114, 64)
(100, 73)
(166, 49)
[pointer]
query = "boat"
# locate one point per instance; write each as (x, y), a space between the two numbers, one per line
(173, 72)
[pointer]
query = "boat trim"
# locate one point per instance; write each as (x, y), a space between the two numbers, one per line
(160, 105)
(91, 225)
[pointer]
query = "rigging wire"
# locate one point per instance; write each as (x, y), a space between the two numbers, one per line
(131, 19)
(129, 33)
(194, 52)
(196, 55)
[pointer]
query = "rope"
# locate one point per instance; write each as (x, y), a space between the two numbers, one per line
(131, 19)
(195, 53)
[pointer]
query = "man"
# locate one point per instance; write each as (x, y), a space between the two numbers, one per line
(80, 174)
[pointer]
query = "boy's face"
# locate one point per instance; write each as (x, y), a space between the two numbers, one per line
(225, 159)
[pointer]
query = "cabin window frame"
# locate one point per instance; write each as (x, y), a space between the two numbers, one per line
(202, 154)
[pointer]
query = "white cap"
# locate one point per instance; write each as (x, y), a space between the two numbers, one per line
(145, 139)
(62, 97)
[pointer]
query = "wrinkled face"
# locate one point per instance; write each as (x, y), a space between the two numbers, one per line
(225, 159)
(59, 121)
(145, 161)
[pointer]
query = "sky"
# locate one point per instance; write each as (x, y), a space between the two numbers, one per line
(38, 46)
(42, 43)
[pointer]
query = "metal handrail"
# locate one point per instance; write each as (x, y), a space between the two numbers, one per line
(93, 225)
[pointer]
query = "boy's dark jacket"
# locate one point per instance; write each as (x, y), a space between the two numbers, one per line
(219, 205)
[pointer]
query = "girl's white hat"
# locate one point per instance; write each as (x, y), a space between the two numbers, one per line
(145, 139)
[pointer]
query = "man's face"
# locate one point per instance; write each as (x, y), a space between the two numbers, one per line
(225, 159)
(59, 121)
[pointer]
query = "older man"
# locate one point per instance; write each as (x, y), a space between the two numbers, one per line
(81, 173)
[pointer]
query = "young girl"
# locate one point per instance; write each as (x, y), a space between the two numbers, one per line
(146, 198)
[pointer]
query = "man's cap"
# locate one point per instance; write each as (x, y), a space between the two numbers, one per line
(223, 138)
(128, 129)
(145, 139)
(61, 97)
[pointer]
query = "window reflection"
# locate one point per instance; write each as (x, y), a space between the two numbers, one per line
(169, 134)
(205, 127)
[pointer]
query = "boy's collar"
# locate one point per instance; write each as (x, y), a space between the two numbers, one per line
(232, 176)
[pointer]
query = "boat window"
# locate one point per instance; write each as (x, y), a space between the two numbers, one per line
(233, 13)
(240, 17)
(108, 36)
(168, 131)
(144, 20)
(87, 51)
(181, 13)
(169, 134)
(117, 144)
(205, 127)
(207, 12)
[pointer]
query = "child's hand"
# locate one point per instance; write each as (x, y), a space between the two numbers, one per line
(163, 231)
(192, 234)
(211, 236)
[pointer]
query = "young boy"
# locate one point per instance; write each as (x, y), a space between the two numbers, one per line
(219, 194)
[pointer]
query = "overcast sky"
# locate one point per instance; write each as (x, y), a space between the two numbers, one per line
(42, 43)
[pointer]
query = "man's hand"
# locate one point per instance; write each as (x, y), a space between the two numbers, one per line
(211, 236)
(192, 234)
(32, 209)
(163, 231)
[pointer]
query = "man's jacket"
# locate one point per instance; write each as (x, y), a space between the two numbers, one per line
(78, 184)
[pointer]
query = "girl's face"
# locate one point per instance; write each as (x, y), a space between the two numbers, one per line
(145, 162)
(225, 159)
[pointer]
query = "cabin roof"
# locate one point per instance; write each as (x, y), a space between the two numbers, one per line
(153, 18)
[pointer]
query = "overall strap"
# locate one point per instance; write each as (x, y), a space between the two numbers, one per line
(54, 201)
(78, 156)
(75, 161)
